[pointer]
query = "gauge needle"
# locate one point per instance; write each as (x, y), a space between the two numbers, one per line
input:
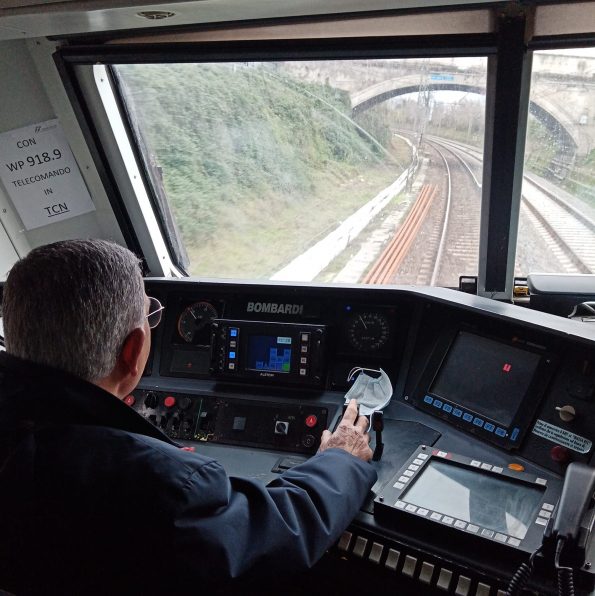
(360, 318)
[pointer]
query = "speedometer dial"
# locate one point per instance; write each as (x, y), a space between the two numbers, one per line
(194, 318)
(368, 331)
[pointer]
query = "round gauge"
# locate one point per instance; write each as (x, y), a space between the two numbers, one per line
(194, 318)
(368, 331)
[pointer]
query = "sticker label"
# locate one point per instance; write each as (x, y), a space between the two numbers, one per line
(41, 175)
(561, 436)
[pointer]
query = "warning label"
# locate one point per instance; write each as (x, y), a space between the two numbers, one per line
(560, 436)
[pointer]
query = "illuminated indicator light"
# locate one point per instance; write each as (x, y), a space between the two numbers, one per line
(232, 354)
(169, 401)
(507, 367)
(311, 421)
(130, 400)
(233, 332)
(516, 467)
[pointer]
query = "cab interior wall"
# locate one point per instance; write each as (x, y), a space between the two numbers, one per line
(32, 92)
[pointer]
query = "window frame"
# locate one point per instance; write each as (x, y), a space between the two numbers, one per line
(503, 153)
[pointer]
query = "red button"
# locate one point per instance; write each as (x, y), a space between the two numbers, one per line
(130, 400)
(169, 401)
(560, 454)
(311, 421)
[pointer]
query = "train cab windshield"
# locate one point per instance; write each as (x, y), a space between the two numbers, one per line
(320, 161)
(394, 202)
(272, 164)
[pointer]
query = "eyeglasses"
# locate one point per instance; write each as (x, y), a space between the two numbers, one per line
(155, 312)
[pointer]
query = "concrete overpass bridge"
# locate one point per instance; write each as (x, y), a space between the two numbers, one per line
(563, 103)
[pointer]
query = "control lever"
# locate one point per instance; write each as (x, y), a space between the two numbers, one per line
(377, 426)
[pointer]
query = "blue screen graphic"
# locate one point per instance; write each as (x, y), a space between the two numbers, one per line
(269, 353)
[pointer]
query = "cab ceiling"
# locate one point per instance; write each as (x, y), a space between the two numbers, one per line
(20, 19)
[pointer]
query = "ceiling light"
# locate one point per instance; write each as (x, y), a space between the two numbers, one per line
(156, 15)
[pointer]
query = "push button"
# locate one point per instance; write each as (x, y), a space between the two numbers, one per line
(169, 401)
(463, 586)
(426, 572)
(392, 559)
(409, 566)
(130, 400)
(311, 421)
(360, 546)
(375, 553)
(444, 579)
(344, 541)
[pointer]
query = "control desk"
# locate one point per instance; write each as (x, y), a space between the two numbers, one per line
(491, 402)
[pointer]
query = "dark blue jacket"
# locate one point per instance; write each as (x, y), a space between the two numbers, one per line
(94, 499)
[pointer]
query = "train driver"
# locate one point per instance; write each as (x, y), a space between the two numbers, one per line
(93, 498)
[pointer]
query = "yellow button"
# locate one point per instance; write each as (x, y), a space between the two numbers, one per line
(516, 467)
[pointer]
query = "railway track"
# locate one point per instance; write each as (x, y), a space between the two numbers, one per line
(393, 255)
(567, 233)
(454, 224)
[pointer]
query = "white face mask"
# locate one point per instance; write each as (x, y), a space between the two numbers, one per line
(371, 393)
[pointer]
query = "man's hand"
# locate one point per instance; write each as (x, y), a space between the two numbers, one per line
(351, 434)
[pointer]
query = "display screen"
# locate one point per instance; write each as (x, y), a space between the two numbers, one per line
(492, 502)
(271, 353)
(486, 376)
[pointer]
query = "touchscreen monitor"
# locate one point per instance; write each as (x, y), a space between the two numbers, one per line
(489, 501)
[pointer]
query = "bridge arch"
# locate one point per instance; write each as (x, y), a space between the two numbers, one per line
(566, 146)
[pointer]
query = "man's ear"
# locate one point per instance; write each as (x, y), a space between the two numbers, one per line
(129, 360)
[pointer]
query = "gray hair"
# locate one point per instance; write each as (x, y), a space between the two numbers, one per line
(71, 304)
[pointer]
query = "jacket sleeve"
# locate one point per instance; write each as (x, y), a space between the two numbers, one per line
(286, 525)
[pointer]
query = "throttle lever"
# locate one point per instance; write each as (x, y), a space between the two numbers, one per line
(377, 425)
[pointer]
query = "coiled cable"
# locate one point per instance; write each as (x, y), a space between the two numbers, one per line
(565, 574)
(521, 576)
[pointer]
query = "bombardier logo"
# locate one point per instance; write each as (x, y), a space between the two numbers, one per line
(275, 308)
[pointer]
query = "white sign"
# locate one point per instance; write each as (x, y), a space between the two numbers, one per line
(561, 436)
(41, 176)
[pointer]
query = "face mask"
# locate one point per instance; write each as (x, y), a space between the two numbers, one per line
(371, 393)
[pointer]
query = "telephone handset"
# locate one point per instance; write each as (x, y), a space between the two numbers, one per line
(568, 533)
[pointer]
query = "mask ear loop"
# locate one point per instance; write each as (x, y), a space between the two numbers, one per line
(358, 369)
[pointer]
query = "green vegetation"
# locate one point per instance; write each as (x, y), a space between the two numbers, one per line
(541, 150)
(540, 147)
(256, 166)
(581, 180)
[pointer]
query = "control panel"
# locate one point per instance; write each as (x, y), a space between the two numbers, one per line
(250, 423)
(503, 399)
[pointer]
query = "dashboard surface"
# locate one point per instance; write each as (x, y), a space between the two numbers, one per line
(252, 374)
